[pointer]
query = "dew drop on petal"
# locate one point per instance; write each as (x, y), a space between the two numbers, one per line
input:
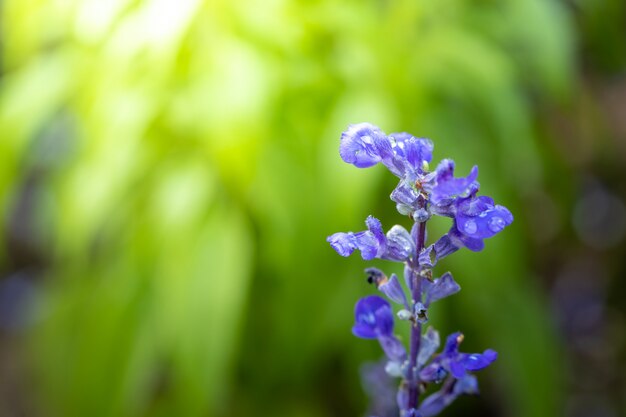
(470, 227)
(496, 224)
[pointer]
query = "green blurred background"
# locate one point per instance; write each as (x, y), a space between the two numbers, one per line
(169, 172)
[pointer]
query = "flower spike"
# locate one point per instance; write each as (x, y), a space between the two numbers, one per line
(420, 194)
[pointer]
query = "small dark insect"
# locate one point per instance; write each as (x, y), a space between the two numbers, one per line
(375, 276)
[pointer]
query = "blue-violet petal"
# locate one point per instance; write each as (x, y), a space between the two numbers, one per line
(373, 318)
(358, 145)
(440, 288)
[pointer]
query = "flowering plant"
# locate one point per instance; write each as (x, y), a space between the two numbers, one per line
(420, 194)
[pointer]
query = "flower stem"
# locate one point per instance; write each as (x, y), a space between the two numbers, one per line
(416, 329)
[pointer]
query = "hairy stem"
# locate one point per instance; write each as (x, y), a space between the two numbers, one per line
(416, 329)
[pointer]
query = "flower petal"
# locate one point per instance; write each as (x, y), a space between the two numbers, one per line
(456, 368)
(358, 145)
(386, 148)
(478, 361)
(405, 194)
(443, 247)
(440, 288)
(433, 372)
(486, 224)
(448, 186)
(399, 244)
(393, 289)
(416, 151)
(435, 403)
(374, 226)
(468, 384)
(392, 347)
(452, 343)
(372, 242)
(409, 277)
(427, 257)
(428, 346)
(373, 318)
(473, 206)
(343, 243)
(459, 239)
(367, 243)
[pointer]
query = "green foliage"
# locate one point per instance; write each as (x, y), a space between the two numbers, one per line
(186, 160)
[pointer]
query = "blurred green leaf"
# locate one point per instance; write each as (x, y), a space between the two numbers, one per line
(186, 174)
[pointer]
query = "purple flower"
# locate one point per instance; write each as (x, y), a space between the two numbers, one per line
(471, 226)
(428, 257)
(406, 197)
(397, 245)
(371, 242)
(439, 288)
(410, 153)
(475, 219)
(373, 318)
(400, 245)
(393, 289)
(480, 218)
(452, 362)
(359, 145)
(459, 239)
(364, 145)
(420, 193)
(448, 187)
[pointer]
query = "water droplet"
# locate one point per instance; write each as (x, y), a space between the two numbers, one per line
(496, 224)
(421, 215)
(470, 227)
